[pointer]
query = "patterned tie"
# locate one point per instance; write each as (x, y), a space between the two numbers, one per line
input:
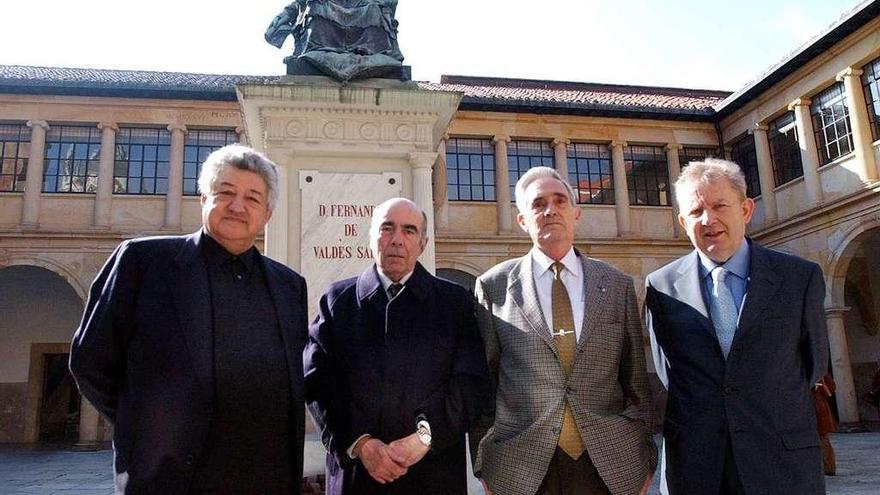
(723, 310)
(563, 322)
(394, 289)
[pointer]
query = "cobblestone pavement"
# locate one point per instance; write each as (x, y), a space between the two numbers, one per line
(47, 470)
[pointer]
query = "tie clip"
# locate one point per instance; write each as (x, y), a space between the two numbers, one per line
(561, 332)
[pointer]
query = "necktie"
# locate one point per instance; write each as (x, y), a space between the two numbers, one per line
(563, 322)
(723, 309)
(394, 289)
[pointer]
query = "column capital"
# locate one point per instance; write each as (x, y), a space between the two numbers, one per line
(239, 130)
(108, 125)
(848, 72)
(500, 137)
(445, 136)
(672, 146)
(761, 127)
(177, 127)
(799, 102)
(561, 141)
(422, 159)
(617, 143)
(836, 311)
(38, 123)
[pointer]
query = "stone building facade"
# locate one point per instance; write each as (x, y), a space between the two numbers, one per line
(92, 157)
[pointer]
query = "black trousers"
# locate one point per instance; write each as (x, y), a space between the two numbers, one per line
(567, 476)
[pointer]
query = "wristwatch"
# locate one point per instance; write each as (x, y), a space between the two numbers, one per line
(424, 431)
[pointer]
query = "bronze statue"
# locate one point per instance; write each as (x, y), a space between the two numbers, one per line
(345, 39)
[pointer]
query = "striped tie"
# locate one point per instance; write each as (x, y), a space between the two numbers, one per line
(563, 322)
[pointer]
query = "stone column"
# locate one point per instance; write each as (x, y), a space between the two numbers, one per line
(174, 197)
(30, 209)
(560, 157)
(621, 192)
(422, 195)
(866, 163)
(104, 194)
(809, 153)
(89, 424)
(502, 185)
(673, 163)
(765, 173)
(441, 193)
(841, 368)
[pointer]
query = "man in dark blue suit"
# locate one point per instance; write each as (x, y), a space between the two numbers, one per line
(395, 370)
(739, 338)
(192, 347)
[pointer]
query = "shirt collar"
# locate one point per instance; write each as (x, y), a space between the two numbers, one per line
(218, 255)
(386, 282)
(738, 264)
(544, 262)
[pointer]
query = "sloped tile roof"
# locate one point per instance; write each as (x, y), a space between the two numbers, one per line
(491, 94)
(122, 83)
(485, 93)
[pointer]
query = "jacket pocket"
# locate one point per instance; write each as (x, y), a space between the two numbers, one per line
(800, 439)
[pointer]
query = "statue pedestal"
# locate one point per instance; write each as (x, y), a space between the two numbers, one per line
(341, 150)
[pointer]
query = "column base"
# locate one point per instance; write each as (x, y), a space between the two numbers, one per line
(86, 446)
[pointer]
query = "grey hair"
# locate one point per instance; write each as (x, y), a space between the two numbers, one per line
(534, 174)
(242, 158)
(387, 204)
(710, 171)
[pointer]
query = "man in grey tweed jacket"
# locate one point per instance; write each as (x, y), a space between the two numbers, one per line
(603, 382)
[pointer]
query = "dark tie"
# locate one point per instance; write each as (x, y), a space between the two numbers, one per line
(563, 323)
(394, 289)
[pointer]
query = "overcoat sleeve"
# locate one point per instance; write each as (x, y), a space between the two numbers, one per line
(98, 350)
(454, 407)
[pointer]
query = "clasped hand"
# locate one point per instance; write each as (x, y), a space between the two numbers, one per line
(388, 462)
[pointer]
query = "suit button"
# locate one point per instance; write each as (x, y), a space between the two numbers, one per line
(569, 390)
(189, 460)
(730, 390)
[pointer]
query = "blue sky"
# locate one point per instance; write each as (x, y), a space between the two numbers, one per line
(687, 43)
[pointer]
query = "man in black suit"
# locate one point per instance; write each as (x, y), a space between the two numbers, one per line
(739, 338)
(394, 369)
(192, 347)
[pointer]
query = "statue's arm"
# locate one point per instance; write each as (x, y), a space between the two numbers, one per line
(282, 25)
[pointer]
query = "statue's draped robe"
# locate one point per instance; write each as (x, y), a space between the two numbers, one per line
(346, 39)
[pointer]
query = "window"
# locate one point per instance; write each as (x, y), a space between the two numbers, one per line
(695, 154)
(785, 152)
(871, 80)
(198, 145)
(831, 123)
(470, 169)
(72, 157)
(523, 155)
(647, 175)
(742, 152)
(590, 173)
(15, 148)
(142, 160)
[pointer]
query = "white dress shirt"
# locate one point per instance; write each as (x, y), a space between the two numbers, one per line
(572, 279)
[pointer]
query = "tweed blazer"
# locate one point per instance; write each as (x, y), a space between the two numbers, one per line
(607, 389)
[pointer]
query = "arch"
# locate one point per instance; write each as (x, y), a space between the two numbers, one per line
(465, 266)
(59, 269)
(840, 257)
